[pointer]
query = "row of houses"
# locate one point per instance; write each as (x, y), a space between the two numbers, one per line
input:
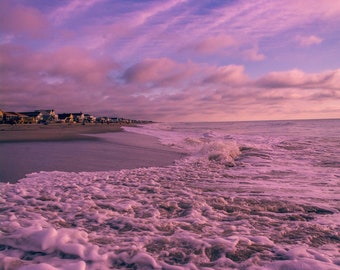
(43, 116)
(50, 116)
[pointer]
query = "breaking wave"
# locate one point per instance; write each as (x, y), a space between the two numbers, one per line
(208, 145)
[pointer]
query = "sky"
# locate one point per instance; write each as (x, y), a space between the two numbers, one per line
(172, 60)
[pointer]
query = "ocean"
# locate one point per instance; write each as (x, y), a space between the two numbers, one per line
(246, 195)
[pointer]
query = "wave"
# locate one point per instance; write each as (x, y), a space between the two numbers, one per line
(207, 145)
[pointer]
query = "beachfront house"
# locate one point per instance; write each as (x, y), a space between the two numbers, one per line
(65, 118)
(103, 120)
(48, 115)
(39, 116)
(31, 117)
(2, 113)
(115, 119)
(89, 118)
(78, 117)
(12, 118)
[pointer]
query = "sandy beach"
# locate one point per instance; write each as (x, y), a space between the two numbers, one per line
(53, 132)
(74, 148)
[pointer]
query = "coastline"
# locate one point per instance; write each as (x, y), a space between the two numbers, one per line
(53, 132)
(77, 148)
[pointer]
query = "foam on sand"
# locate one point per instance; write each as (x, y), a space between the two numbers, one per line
(159, 218)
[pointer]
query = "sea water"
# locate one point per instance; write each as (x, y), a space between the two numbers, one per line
(248, 195)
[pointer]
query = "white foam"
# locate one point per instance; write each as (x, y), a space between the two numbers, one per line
(209, 145)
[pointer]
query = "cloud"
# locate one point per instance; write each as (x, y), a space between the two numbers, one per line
(151, 29)
(298, 79)
(253, 55)
(63, 80)
(67, 65)
(22, 20)
(141, 17)
(230, 75)
(158, 72)
(268, 22)
(285, 16)
(67, 79)
(206, 80)
(283, 79)
(150, 70)
(71, 9)
(306, 41)
(79, 65)
(130, 28)
(214, 44)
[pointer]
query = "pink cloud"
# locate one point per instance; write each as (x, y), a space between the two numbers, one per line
(111, 30)
(71, 74)
(293, 77)
(215, 44)
(71, 9)
(306, 41)
(149, 70)
(161, 71)
(253, 55)
(65, 64)
(22, 20)
(232, 75)
(254, 20)
(299, 79)
(64, 80)
(79, 65)
(140, 17)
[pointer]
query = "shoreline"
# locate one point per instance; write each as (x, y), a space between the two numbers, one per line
(53, 132)
(77, 148)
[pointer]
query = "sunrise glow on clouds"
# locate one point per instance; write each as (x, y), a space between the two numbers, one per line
(176, 60)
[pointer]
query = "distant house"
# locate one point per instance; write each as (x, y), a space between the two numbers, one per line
(124, 121)
(103, 120)
(2, 113)
(32, 117)
(39, 116)
(48, 115)
(66, 117)
(12, 117)
(22, 118)
(89, 118)
(78, 117)
(115, 120)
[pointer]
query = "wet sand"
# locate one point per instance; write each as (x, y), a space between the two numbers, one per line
(53, 132)
(35, 148)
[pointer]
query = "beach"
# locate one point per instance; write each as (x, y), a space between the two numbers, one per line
(53, 132)
(28, 149)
